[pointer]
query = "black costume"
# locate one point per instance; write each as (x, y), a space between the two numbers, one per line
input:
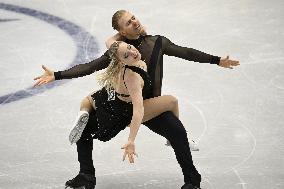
(152, 49)
(113, 114)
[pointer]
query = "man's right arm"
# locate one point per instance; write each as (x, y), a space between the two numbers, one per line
(81, 70)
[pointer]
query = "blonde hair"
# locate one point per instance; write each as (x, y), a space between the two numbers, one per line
(109, 78)
(116, 17)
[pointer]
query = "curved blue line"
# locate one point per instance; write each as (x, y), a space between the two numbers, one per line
(86, 44)
(8, 20)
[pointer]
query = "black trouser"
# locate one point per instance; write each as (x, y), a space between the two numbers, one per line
(166, 125)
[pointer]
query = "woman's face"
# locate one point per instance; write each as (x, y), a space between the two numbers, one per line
(128, 53)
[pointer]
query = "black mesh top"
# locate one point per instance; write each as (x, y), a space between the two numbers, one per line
(147, 88)
(152, 49)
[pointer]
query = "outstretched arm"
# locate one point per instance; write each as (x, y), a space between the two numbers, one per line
(171, 49)
(81, 70)
(74, 72)
(133, 83)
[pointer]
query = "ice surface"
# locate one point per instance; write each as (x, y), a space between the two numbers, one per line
(236, 115)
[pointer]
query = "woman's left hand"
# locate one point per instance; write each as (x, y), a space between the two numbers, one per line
(129, 150)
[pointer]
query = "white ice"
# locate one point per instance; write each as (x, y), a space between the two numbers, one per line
(235, 115)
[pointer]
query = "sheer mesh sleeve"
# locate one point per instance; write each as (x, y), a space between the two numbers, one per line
(190, 54)
(84, 69)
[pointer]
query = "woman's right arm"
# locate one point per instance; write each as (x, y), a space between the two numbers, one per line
(133, 83)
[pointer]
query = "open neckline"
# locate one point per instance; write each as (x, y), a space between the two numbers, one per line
(136, 67)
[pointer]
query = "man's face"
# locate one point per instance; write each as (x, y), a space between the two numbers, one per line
(130, 26)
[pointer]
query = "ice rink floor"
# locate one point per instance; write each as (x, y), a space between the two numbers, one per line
(235, 115)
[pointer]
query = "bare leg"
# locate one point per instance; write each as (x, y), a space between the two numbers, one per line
(156, 106)
(88, 103)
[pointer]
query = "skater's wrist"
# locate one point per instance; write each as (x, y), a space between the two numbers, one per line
(215, 60)
(57, 75)
(131, 139)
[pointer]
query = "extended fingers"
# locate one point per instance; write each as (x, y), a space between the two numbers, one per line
(37, 83)
(230, 63)
(124, 155)
(43, 67)
(38, 77)
(131, 158)
(42, 82)
(235, 63)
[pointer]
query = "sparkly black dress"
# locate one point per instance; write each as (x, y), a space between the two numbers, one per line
(113, 114)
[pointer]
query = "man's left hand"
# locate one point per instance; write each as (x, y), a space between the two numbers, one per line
(227, 63)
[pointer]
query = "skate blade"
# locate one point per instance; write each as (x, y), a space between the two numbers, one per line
(81, 187)
(77, 131)
(192, 145)
(74, 136)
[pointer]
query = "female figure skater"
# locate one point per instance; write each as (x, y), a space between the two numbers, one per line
(171, 103)
(120, 102)
(118, 84)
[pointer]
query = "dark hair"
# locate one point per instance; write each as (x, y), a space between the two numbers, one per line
(116, 17)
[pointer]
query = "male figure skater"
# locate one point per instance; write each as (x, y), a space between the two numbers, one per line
(152, 49)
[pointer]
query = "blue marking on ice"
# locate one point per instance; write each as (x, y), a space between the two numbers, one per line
(86, 44)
